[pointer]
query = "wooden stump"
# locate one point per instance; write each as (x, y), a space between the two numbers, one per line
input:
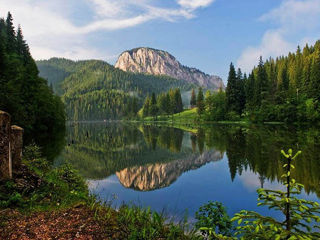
(16, 141)
(5, 154)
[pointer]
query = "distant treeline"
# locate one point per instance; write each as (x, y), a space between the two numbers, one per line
(93, 90)
(23, 94)
(165, 103)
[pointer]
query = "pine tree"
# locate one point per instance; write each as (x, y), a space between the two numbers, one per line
(241, 95)
(231, 93)
(200, 102)
(193, 101)
(315, 76)
(249, 90)
(146, 107)
(153, 105)
(178, 101)
(261, 88)
(11, 35)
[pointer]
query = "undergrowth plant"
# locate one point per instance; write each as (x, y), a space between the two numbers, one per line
(301, 217)
(213, 217)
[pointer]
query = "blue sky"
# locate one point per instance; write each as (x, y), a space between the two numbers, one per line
(206, 34)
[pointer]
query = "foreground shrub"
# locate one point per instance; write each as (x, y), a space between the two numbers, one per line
(301, 217)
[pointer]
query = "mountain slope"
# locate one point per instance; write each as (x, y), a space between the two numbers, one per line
(158, 62)
(95, 90)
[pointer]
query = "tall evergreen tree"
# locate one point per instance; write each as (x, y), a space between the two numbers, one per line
(241, 95)
(11, 35)
(146, 107)
(23, 94)
(193, 100)
(249, 90)
(315, 76)
(200, 102)
(153, 105)
(261, 88)
(231, 90)
(178, 101)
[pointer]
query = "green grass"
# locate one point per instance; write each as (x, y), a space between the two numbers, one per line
(54, 189)
(188, 120)
(187, 116)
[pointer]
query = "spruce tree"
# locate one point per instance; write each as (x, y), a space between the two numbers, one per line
(11, 35)
(240, 90)
(261, 88)
(249, 90)
(193, 101)
(178, 101)
(315, 76)
(231, 90)
(200, 102)
(153, 105)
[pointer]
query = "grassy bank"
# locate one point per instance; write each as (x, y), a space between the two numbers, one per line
(189, 120)
(45, 202)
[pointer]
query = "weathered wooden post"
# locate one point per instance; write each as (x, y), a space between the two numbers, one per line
(5, 153)
(16, 142)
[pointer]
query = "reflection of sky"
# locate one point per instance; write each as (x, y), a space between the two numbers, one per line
(192, 189)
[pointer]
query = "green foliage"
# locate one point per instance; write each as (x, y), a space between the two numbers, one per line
(23, 94)
(164, 103)
(193, 100)
(96, 90)
(43, 187)
(138, 223)
(235, 91)
(213, 216)
(285, 89)
(215, 106)
(301, 216)
(200, 102)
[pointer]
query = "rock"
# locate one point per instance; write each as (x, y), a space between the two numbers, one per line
(16, 146)
(158, 62)
(5, 155)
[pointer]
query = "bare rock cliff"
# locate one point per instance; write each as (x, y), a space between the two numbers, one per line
(158, 62)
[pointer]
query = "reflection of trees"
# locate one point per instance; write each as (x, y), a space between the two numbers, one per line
(259, 149)
(53, 145)
(164, 137)
(193, 138)
(236, 146)
(99, 150)
(200, 138)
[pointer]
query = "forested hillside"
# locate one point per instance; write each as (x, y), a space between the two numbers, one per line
(95, 90)
(283, 89)
(23, 94)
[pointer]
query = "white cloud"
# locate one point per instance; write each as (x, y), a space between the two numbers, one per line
(193, 4)
(50, 29)
(295, 19)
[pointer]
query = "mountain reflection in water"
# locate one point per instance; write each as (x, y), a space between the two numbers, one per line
(157, 165)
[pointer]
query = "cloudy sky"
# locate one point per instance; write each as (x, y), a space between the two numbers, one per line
(207, 34)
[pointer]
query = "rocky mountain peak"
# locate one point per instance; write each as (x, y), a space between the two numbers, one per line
(159, 62)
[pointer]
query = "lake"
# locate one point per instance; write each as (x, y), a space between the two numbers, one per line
(177, 171)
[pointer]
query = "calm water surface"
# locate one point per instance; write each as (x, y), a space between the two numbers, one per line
(177, 171)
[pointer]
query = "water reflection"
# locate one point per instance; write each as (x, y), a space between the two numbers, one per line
(146, 158)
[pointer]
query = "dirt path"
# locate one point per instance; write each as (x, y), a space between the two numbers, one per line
(75, 223)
